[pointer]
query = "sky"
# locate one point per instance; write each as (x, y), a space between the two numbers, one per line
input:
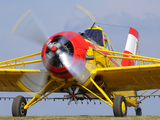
(61, 15)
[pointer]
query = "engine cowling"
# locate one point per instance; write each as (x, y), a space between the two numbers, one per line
(64, 54)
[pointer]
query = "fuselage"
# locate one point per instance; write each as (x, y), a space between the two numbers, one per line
(72, 56)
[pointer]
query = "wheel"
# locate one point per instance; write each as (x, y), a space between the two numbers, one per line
(138, 111)
(17, 107)
(119, 106)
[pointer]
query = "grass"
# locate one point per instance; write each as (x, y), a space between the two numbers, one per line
(81, 117)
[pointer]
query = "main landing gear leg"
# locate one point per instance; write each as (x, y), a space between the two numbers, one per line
(119, 106)
(20, 106)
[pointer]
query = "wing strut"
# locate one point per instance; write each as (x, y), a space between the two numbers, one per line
(38, 97)
(147, 96)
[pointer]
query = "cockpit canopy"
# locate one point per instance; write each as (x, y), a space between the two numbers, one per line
(95, 35)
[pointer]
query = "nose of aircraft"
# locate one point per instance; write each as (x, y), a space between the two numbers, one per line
(64, 54)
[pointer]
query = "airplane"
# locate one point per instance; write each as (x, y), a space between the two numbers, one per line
(82, 66)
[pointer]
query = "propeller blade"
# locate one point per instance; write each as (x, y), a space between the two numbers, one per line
(76, 91)
(79, 96)
(63, 40)
(86, 12)
(70, 90)
(80, 75)
(29, 27)
(50, 55)
(76, 101)
(65, 58)
(70, 101)
(33, 82)
(21, 19)
(67, 96)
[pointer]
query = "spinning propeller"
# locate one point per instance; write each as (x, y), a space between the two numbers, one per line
(29, 27)
(63, 55)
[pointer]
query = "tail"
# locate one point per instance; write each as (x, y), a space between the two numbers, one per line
(131, 47)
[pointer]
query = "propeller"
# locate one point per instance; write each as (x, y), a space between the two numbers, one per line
(60, 53)
(69, 59)
(29, 28)
(73, 95)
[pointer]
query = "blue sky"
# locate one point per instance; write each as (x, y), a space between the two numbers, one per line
(60, 15)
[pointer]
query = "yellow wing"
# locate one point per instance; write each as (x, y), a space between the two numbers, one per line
(131, 77)
(15, 78)
(10, 77)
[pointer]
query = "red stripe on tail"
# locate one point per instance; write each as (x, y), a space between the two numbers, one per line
(126, 62)
(131, 47)
(133, 32)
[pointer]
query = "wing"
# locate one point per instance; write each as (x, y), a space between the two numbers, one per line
(131, 77)
(10, 79)
(18, 79)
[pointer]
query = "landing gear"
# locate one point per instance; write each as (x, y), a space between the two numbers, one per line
(18, 107)
(119, 106)
(138, 111)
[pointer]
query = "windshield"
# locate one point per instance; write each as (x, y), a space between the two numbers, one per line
(95, 35)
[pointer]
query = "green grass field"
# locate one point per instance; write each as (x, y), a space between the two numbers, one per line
(83, 117)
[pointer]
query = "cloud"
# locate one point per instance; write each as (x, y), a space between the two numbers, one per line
(144, 9)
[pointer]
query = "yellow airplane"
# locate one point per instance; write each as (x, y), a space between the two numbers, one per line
(85, 66)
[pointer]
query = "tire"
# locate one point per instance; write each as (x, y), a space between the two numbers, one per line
(17, 107)
(138, 111)
(119, 106)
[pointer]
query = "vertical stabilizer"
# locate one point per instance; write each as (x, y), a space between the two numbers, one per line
(131, 47)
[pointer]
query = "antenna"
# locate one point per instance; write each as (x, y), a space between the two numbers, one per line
(91, 29)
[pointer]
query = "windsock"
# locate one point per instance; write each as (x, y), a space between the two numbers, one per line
(131, 47)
